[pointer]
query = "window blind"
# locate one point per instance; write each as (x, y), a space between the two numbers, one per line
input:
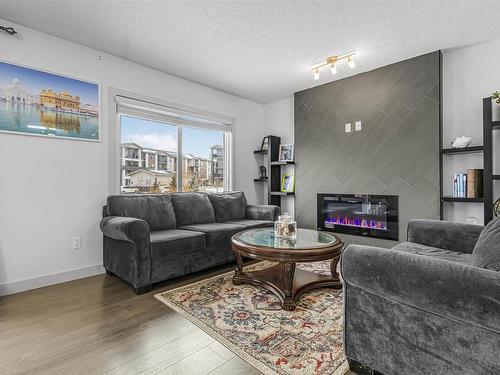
(172, 115)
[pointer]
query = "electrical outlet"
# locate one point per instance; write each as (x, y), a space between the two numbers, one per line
(358, 126)
(348, 128)
(77, 243)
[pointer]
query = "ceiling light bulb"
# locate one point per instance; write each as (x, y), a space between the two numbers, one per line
(316, 74)
(351, 62)
(333, 69)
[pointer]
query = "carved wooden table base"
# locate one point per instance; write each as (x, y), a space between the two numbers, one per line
(286, 281)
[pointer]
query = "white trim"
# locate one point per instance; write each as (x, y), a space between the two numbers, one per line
(179, 170)
(49, 279)
(114, 143)
(228, 173)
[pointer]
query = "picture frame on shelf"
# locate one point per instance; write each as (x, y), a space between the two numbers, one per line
(287, 183)
(286, 152)
(496, 208)
(265, 144)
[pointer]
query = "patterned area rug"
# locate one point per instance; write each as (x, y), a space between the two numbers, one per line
(249, 321)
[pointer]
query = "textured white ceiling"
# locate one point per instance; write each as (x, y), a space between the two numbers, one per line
(260, 50)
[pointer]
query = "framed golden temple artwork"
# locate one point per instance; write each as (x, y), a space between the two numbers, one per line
(34, 102)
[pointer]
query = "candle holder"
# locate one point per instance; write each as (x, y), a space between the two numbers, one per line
(285, 227)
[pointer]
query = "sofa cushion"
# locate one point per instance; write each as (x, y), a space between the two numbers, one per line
(486, 253)
(192, 208)
(176, 243)
(262, 212)
(434, 252)
(229, 206)
(216, 233)
(248, 223)
(154, 209)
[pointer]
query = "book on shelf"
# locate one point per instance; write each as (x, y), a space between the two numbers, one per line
(474, 183)
(468, 185)
(460, 185)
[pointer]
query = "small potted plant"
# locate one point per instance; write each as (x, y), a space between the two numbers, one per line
(496, 96)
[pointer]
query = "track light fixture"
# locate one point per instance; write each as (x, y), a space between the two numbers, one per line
(332, 62)
(316, 74)
(333, 68)
(8, 30)
(351, 62)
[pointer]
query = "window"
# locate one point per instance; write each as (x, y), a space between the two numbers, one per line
(202, 171)
(145, 149)
(162, 150)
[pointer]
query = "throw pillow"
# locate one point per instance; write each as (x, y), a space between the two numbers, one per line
(486, 253)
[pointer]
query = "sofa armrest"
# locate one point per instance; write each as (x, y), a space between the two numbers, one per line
(452, 290)
(125, 228)
(262, 212)
(445, 235)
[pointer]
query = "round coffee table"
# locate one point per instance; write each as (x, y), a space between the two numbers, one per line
(286, 281)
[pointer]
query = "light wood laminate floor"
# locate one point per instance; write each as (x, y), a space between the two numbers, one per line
(97, 325)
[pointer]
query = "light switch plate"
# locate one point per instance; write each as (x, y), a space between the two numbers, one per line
(348, 128)
(358, 126)
(77, 243)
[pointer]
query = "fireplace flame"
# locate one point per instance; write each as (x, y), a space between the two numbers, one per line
(356, 222)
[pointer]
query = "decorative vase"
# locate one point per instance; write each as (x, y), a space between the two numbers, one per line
(285, 227)
(461, 142)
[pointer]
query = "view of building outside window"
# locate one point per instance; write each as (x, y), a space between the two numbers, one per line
(149, 158)
(203, 160)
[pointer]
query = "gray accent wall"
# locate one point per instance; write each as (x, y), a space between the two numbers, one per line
(396, 152)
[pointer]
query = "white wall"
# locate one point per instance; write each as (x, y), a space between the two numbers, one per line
(469, 75)
(279, 121)
(53, 189)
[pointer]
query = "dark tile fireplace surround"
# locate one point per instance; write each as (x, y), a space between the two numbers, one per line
(359, 214)
(399, 107)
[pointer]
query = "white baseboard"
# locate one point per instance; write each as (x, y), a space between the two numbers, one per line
(51, 279)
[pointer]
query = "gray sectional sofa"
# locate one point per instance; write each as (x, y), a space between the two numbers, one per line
(430, 305)
(150, 238)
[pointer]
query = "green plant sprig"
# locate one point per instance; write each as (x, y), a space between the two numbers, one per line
(496, 97)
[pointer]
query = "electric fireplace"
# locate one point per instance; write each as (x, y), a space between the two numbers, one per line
(359, 214)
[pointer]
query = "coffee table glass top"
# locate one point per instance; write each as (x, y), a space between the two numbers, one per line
(306, 239)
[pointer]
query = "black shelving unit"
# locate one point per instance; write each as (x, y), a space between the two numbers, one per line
(465, 150)
(488, 127)
(262, 152)
(487, 150)
(273, 167)
(465, 200)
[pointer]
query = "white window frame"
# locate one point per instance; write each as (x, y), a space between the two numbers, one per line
(134, 105)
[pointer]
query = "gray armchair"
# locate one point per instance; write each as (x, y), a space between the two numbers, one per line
(430, 305)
